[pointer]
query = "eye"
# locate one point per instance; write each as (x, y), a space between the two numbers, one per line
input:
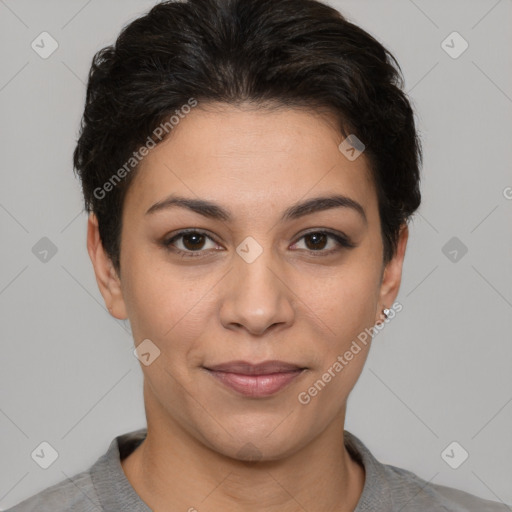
(317, 241)
(189, 242)
(193, 243)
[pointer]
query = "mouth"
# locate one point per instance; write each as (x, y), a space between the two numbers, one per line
(255, 380)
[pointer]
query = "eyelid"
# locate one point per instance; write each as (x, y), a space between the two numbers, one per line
(168, 240)
(341, 239)
(337, 235)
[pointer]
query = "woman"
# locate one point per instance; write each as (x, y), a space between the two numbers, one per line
(249, 167)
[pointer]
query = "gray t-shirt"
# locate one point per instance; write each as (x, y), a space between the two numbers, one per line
(104, 487)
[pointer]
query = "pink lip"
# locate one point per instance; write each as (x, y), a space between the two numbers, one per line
(255, 380)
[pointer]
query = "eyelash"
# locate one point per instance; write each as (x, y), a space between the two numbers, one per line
(342, 241)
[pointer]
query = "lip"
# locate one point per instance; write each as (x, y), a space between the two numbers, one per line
(255, 380)
(247, 368)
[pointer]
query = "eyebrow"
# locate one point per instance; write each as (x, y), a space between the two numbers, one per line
(212, 210)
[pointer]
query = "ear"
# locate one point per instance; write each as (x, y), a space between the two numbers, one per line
(392, 275)
(106, 276)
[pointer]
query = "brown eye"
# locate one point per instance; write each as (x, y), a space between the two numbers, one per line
(317, 241)
(190, 243)
(325, 242)
(193, 241)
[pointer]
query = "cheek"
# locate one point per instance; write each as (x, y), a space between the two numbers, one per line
(344, 310)
(165, 304)
(343, 302)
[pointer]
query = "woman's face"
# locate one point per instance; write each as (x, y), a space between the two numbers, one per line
(258, 282)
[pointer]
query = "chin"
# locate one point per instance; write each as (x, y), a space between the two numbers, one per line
(255, 441)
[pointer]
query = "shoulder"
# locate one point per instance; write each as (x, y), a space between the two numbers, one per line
(103, 486)
(392, 488)
(76, 493)
(414, 494)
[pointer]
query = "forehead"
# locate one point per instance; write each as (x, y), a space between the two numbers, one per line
(251, 159)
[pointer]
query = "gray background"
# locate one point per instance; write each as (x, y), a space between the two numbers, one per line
(439, 372)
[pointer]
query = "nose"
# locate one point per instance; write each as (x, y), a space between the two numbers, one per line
(256, 295)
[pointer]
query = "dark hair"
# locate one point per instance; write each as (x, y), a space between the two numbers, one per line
(288, 53)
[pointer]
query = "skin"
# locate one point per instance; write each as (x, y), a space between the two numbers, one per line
(290, 304)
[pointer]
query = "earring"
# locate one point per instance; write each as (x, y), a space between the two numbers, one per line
(386, 312)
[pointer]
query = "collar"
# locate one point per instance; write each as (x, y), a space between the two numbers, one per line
(111, 483)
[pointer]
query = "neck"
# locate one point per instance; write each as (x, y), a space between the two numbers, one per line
(172, 470)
